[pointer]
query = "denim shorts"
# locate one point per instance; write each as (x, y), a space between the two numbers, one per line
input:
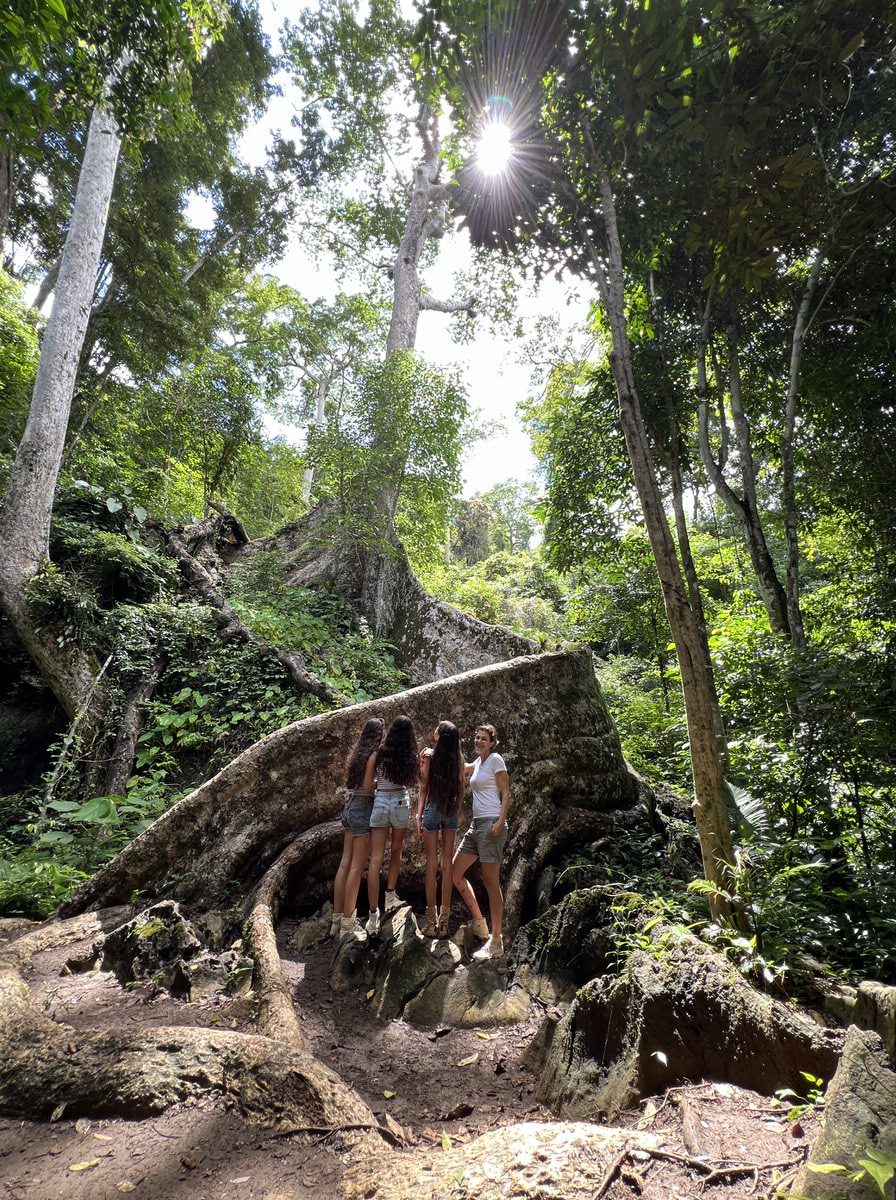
(480, 840)
(356, 814)
(433, 820)
(391, 809)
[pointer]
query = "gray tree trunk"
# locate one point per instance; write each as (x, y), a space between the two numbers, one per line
(25, 519)
(744, 508)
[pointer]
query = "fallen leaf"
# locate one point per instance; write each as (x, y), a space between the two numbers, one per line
(215, 1021)
(372, 992)
(84, 1166)
(388, 1095)
(125, 1185)
(55, 1149)
(241, 1179)
(57, 1111)
(468, 1062)
(102, 1137)
(486, 1037)
(446, 1141)
(82, 1125)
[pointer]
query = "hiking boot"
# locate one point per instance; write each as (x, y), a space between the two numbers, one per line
(479, 929)
(350, 926)
(335, 923)
(391, 901)
(373, 923)
(431, 928)
(444, 918)
(493, 948)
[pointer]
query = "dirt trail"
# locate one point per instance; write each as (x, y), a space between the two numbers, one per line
(205, 1149)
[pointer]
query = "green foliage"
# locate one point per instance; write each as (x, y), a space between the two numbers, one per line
(877, 1164)
(648, 710)
(18, 366)
(517, 590)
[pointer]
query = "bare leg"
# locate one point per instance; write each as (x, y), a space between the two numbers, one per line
(342, 873)
(360, 848)
(448, 839)
(491, 878)
(430, 842)
(462, 864)
(375, 866)
(395, 858)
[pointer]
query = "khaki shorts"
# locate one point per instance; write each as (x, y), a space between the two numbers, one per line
(480, 840)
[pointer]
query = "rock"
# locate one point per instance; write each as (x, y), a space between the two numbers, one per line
(859, 1116)
(566, 1161)
(566, 946)
(468, 999)
(679, 1012)
(876, 1009)
(313, 930)
(153, 946)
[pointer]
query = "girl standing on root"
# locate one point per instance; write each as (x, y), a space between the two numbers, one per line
(485, 839)
(438, 808)
(356, 826)
(397, 769)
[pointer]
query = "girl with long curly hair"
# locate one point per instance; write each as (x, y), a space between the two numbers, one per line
(438, 811)
(359, 779)
(397, 770)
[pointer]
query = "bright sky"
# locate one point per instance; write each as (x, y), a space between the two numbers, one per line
(496, 380)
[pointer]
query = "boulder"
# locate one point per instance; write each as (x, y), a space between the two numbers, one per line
(858, 1137)
(678, 1011)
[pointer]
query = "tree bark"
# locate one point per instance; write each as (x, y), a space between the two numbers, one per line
(788, 472)
(27, 509)
(231, 830)
(744, 509)
(710, 800)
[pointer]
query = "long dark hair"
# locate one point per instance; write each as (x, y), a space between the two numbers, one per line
(371, 736)
(446, 770)
(397, 759)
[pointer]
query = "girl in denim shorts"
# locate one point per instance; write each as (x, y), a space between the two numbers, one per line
(438, 808)
(485, 839)
(359, 772)
(397, 770)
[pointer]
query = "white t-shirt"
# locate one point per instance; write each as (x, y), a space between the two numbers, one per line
(486, 794)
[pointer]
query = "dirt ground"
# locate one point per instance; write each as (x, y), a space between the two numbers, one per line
(722, 1141)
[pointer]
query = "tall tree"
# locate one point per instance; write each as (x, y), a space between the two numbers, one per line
(140, 66)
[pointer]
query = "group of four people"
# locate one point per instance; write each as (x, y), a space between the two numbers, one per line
(382, 770)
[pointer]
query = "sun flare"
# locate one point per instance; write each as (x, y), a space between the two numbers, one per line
(495, 148)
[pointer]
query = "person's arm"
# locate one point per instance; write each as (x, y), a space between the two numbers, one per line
(370, 773)
(423, 787)
(502, 779)
(469, 768)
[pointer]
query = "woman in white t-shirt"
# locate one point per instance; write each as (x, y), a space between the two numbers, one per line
(485, 839)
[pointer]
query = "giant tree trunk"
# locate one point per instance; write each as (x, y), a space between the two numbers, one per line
(562, 751)
(27, 509)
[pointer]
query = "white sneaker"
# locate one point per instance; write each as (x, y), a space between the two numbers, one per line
(391, 901)
(493, 948)
(373, 923)
(335, 923)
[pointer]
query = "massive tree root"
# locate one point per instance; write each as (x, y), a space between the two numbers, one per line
(226, 834)
(49, 1068)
